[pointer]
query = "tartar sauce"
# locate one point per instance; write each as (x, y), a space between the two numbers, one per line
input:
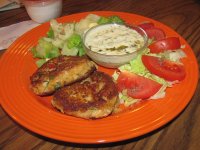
(113, 39)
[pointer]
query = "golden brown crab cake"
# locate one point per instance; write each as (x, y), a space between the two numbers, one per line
(94, 97)
(59, 72)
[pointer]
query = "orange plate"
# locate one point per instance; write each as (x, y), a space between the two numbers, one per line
(37, 114)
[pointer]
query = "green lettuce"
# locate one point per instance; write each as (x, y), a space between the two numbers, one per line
(111, 19)
(73, 46)
(45, 49)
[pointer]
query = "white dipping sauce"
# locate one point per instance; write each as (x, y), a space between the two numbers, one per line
(43, 10)
(113, 39)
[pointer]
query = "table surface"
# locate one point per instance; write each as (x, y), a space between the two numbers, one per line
(180, 134)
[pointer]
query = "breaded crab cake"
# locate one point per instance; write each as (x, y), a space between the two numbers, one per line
(94, 97)
(59, 72)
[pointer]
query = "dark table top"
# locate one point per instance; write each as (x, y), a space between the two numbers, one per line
(180, 134)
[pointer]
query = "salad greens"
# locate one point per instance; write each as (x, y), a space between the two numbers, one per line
(127, 100)
(111, 19)
(50, 33)
(73, 46)
(45, 49)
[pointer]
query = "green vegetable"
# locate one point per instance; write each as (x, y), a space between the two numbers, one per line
(50, 33)
(58, 43)
(116, 19)
(150, 41)
(174, 56)
(74, 41)
(73, 46)
(126, 99)
(81, 50)
(54, 52)
(111, 19)
(135, 66)
(40, 62)
(69, 52)
(115, 76)
(155, 78)
(103, 20)
(45, 49)
(34, 52)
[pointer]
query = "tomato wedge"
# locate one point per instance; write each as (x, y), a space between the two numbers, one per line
(166, 69)
(152, 31)
(155, 33)
(137, 86)
(146, 25)
(170, 43)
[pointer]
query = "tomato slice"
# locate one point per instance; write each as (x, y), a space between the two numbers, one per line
(146, 25)
(155, 33)
(137, 86)
(170, 43)
(166, 69)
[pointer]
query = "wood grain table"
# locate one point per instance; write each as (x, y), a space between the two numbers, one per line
(183, 133)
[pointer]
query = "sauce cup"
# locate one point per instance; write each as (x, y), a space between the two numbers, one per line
(110, 59)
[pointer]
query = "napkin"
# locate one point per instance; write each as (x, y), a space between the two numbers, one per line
(10, 33)
(9, 4)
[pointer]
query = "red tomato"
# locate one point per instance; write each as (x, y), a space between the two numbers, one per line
(155, 33)
(170, 43)
(137, 86)
(146, 25)
(166, 69)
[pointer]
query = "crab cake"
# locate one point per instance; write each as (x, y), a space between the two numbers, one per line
(94, 97)
(59, 72)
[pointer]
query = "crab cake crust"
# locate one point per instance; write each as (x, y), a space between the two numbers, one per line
(59, 72)
(94, 97)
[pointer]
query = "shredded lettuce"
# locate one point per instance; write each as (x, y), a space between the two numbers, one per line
(135, 66)
(126, 100)
(161, 93)
(115, 76)
(156, 78)
(175, 56)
